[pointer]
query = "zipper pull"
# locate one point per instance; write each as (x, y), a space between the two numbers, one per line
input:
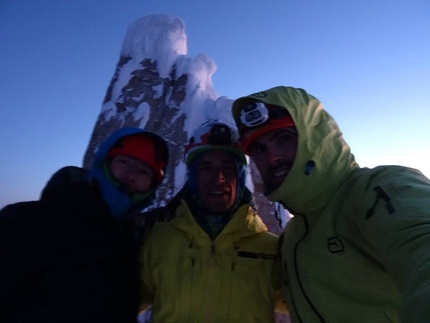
(233, 264)
(193, 261)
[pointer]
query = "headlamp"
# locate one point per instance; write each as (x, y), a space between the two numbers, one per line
(254, 114)
(213, 135)
(220, 134)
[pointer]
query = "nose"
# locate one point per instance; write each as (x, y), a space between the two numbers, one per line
(131, 174)
(273, 156)
(220, 177)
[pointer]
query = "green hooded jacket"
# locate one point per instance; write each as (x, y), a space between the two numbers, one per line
(358, 247)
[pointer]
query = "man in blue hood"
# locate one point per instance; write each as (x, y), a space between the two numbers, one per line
(70, 256)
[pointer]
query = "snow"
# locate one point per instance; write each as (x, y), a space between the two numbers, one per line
(164, 39)
(109, 110)
(142, 114)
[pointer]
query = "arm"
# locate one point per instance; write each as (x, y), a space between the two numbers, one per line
(12, 258)
(147, 289)
(397, 229)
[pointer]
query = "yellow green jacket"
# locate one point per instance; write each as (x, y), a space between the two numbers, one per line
(358, 247)
(189, 278)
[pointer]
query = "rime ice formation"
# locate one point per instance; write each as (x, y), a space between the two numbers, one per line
(156, 87)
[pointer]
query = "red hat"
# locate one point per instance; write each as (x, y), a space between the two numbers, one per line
(143, 147)
(251, 134)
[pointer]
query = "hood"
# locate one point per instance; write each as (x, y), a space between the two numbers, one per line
(119, 203)
(323, 159)
(69, 187)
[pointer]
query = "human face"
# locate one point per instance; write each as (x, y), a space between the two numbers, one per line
(216, 180)
(133, 174)
(273, 153)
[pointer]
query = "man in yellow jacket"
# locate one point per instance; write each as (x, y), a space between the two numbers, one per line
(215, 261)
(358, 246)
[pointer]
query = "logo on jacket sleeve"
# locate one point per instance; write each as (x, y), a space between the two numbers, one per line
(259, 95)
(334, 245)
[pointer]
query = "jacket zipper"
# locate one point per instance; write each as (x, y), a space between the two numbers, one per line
(296, 269)
(212, 262)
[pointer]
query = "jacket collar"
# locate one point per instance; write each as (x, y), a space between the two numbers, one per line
(244, 222)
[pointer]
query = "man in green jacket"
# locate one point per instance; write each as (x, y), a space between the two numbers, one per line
(215, 261)
(357, 248)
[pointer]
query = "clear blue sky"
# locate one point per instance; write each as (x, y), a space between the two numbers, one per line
(368, 61)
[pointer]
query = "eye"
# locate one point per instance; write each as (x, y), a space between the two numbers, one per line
(286, 138)
(231, 168)
(122, 161)
(256, 149)
(143, 172)
(203, 168)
